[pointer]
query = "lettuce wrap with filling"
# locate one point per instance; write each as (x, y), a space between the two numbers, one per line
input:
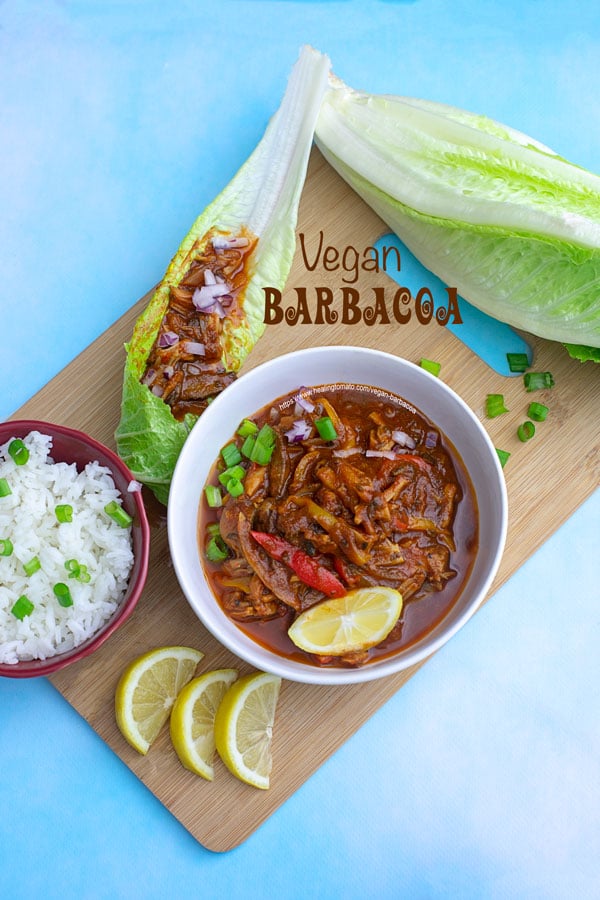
(207, 313)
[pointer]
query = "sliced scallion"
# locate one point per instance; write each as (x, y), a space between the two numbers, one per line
(537, 381)
(231, 455)
(216, 549)
(431, 366)
(494, 405)
(116, 512)
(213, 529)
(213, 496)
(248, 446)
(63, 594)
(34, 565)
(326, 428)
(22, 607)
(246, 428)
(517, 362)
(6, 547)
(537, 411)
(503, 456)
(235, 487)
(264, 444)
(526, 431)
(4, 488)
(18, 451)
(236, 472)
(64, 512)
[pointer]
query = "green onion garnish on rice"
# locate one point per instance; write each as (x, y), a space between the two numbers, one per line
(64, 512)
(63, 594)
(18, 451)
(118, 514)
(4, 488)
(23, 607)
(34, 565)
(6, 547)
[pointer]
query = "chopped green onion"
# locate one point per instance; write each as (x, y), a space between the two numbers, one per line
(216, 549)
(231, 455)
(494, 405)
(248, 446)
(538, 412)
(326, 428)
(77, 570)
(213, 496)
(118, 514)
(4, 488)
(6, 547)
(34, 565)
(517, 362)
(18, 451)
(64, 512)
(503, 456)
(536, 381)
(236, 472)
(235, 487)
(430, 366)
(246, 428)
(264, 444)
(63, 594)
(22, 607)
(526, 431)
(213, 529)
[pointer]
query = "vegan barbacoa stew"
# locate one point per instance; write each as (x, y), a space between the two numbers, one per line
(330, 489)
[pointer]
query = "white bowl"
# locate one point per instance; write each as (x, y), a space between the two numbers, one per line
(331, 365)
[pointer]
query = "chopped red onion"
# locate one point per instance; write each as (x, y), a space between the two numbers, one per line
(157, 390)
(205, 296)
(299, 431)
(167, 339)
(226, 300)
(431, 439)
(229, 243)
(194, 347)
(168, 372)
(193, 370)
(381, 454)
(134, 487)
(306, 405)
(209, 277)
(149, 376)
(404, 439)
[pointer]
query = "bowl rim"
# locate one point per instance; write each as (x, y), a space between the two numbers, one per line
(30, 668)
(249, 650)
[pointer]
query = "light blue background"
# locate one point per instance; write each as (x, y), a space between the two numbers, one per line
(119, 122)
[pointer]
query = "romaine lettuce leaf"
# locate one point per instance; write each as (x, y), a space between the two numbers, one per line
(263, 198)
(513, 226)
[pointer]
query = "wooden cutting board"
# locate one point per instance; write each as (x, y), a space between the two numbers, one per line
(547, 480)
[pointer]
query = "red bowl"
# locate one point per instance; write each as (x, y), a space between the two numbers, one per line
(69, 445)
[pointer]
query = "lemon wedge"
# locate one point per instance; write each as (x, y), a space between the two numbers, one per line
(193, 719)
(244, 727)
(360, 619)
(147, 690)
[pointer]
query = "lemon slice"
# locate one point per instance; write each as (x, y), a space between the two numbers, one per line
(193, 720)
(244, 727)
(147, 690)
(358, 620)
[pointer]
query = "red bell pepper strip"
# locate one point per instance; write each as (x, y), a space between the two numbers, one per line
(306, 568)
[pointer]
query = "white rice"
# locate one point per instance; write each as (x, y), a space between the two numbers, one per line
(28, 520)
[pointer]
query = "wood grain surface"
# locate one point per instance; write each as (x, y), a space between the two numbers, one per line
(547, 479)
